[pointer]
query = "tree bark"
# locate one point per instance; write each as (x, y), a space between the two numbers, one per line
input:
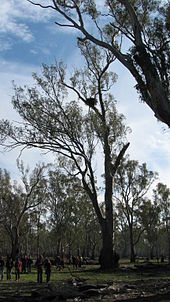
(15, 244)
(106, 259)
(152, 92)
(132, 251)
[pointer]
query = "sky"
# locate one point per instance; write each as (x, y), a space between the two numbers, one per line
(28, 38)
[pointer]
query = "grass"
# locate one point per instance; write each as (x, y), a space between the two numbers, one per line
(28, 286)
(93, 274)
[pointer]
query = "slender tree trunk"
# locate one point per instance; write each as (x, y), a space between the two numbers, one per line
(132, 251)
(93, 251)
(151, 252)
(168, 247)
(15, 244)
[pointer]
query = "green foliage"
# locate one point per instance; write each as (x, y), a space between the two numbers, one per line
(132, 182)
(72, 219)
(17, 201)
(89, 7)
(133, 179)
(136, 33)
(162, 199)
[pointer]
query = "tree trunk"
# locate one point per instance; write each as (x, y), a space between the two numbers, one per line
(157, 101)
(168, 248)
(93, 251)
(106, 259)
(151, 252)
(15, 244)
(132, 251)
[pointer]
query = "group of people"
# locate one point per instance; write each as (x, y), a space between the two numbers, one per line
(21, 264)
(40, 263)
(76, 261)
(59, 262)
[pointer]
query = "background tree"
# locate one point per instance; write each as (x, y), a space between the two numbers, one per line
(17, 200)
(137, 34)
(162, 198)
(121, 232)
(53, 124)
(72, 219)
(132, 182)
(149, 216)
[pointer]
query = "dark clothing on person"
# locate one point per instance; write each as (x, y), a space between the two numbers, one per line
(9, 265)
(24, 262)
(39, 265)
(2, 264)
(17, 268)
(57, 261)
(75, 261)
(61, 267)
(29, 263)
(47, 266)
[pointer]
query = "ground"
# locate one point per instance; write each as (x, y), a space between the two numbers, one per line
(138, 284)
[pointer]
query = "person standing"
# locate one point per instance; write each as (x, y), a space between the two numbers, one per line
(24, 262)
(47, 266)
(18, 265)
(9, 265)
(29, 263)
(2, 264)
(39, 265)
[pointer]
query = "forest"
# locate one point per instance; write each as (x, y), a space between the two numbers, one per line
(93, 200)
(75, 118)
(49, 213)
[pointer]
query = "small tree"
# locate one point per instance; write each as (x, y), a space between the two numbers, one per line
(132, 182)
(17, 201)
(149, 217)
(72, 218)
(162, 198)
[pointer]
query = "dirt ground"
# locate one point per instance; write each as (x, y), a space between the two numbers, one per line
(150, 289)
(139, 291)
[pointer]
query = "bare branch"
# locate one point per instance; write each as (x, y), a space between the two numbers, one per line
(64, 25)
(135, 23)
(40, 5)
(118, 159)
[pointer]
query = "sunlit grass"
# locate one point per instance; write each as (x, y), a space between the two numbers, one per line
(93, 274)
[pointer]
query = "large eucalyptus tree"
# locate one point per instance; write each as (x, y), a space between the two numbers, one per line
(54, 122)
(137, 34)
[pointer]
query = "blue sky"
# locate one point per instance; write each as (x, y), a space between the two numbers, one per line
(28, 38)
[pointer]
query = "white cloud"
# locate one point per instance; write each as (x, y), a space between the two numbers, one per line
(5, 45)
(21, 75)
(15, 14)
(9, 24)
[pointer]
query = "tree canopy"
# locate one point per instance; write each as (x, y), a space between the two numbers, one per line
(136, 32)
(53, 120)
(18, 200)
(132, 182)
